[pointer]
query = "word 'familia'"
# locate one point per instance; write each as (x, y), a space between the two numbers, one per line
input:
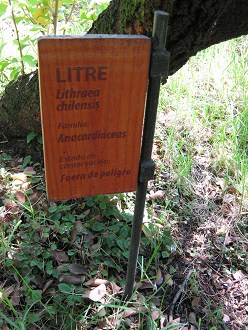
(81, 73)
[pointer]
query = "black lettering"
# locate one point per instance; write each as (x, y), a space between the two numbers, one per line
(90, 72)
(124, 134)
(78, 69)
(77, 106)
(58, 78)
(102, 72)
(61, 138)
(69, 74)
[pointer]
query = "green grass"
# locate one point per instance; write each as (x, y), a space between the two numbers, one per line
(201, 167)
(206, 112)
(203, 133)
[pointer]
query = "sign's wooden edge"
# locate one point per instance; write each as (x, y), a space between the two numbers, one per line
(95, 36)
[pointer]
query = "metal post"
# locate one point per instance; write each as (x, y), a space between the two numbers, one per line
(158, 68)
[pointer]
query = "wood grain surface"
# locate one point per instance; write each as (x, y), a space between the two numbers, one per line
(92, 92)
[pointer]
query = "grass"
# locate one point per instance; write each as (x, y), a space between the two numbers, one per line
(202, 133)
(63, 264)
(210, 107)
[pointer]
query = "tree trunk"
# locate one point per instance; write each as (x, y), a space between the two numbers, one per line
(194, 25)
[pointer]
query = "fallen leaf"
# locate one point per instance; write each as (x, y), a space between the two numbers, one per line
(221, 182)
(102, 324)
(8, 203)
(140, 298)
(73, 234)
(50, 291)
(98, 217)
(77, 269)
(47, 285)
(37, 280)
(177, 320)
(159, 277)
(133, 311)
(95, 247)
(97, 293)
(238, 275)
(192, 319)
(16, 277)
(162, 321)
(155, 314)
(129, 312)
(72, 279)
(102, 312)
(226, 281)
(228, 240)
(10, 206)
(60, 256)
(20, 197)
(115, 288)
(157, 194)
(34, 198)
(226, 318)
(29, 170)
(96, 282)
(7, 290)
(222, 230)
(88, 237)
(15, 297)
(145, 285)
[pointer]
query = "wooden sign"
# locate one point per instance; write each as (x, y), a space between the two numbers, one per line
(92, 91)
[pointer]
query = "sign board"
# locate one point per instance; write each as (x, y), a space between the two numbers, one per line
(92, 92)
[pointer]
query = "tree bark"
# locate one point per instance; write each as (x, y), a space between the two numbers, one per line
(194, 25)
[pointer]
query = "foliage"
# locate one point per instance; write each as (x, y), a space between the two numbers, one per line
(56, 249)
(201, 151)
(31, 19)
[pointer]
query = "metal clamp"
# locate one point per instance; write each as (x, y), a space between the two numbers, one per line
(159, 65)
(146, 170)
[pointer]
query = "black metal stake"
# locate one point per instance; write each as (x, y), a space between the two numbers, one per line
(159, 65)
